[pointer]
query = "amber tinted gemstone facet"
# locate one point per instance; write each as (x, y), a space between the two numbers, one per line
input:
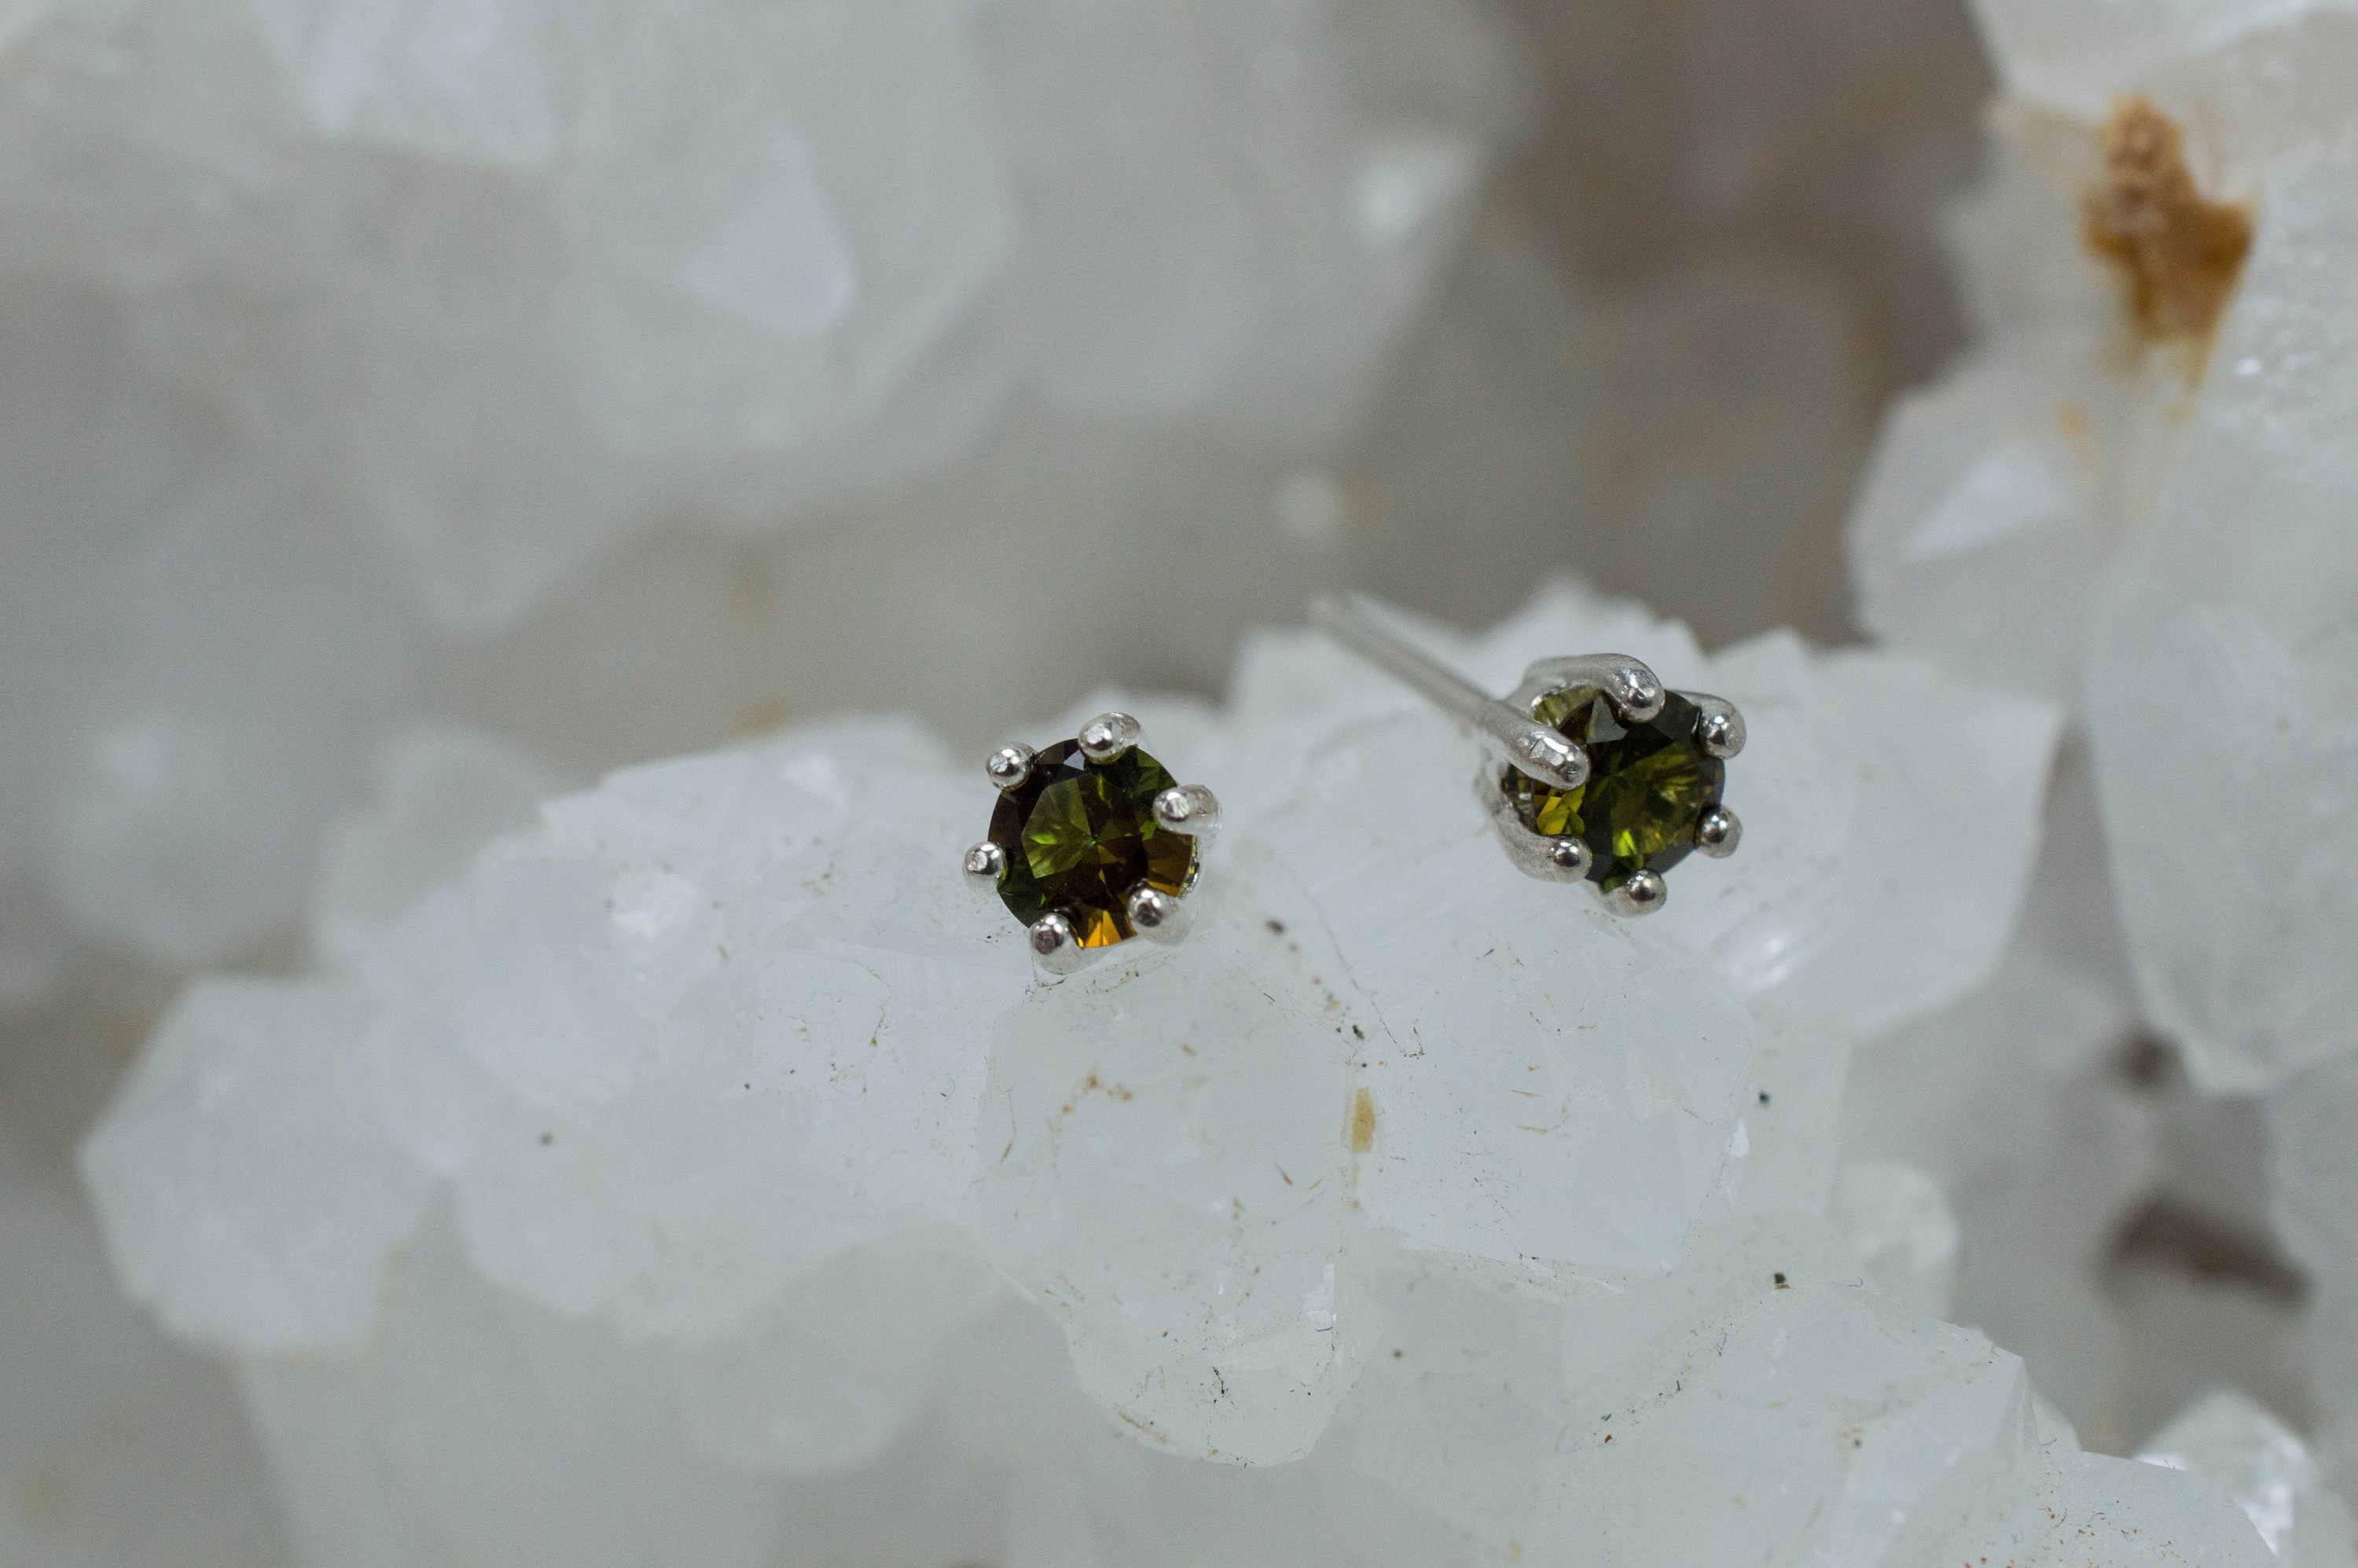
(1077, 836)
(1648, 785)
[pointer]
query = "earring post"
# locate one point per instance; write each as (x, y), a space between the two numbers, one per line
(1531, 747)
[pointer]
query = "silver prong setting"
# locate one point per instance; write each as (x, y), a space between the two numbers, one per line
(1534, 854)
(1108, 736)
(1721, 728)
(1151, 909)
(1054, 947)
(1009, 766)
(1156, 915)
(1191, 809)
(1629, 684)
(1643, 893)
(1718, 833)
(985, 863)
(1539, 752)
(1634, 691)
(1552, 759)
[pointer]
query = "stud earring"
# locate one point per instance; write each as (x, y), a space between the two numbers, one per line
(1605, 777)
(1092, 843)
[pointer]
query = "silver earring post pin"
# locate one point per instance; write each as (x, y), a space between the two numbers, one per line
(1607, 776)
(1532, 747)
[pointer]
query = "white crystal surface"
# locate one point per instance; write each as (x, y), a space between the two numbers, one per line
(249, 1192)
(1899, 1224)
(2248, 627)
(377, 365)
(2007, 1097)
(2146, 527)
(743, 1106)
(117, 1448)
(1975, 539)
(410, 409)
(440, 794)
(2083, 54)
(2228, 1438)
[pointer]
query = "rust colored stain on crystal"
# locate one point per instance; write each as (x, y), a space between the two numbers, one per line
(2178, 252)
(1363, 1122)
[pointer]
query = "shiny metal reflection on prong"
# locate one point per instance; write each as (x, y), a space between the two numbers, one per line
(1108, 736)
(1630, 685)
(1539, 752)
(1718, 833)
(1643, 893)
(1721, 728)
(985, 864)
(1156, 915)
(1191, 809)
(1636, 691)
(1054, 946)
(1009, 766)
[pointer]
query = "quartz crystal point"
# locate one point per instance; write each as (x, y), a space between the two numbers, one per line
(2227, 1438)
(2231, 602)
(1975, 540)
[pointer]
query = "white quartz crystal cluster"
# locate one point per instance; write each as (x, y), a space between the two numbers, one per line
(412, 409)
(2133, 494)
(705, 1166)
(601, 376)
(2141, 510)
(349, 347)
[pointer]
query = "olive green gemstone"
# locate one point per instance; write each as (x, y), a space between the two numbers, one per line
(1649, 786)
(1077, 836)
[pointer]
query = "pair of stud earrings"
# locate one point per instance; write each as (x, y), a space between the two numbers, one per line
(1601, 775)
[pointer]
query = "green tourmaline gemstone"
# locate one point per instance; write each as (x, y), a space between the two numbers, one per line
(1649, 786)
(1080, 835)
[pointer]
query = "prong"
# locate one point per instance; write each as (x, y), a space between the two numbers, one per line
(1634, 691)
(1108, 736)
(1643, 893)
(985, 863)
(1542, 753)
(1718, 833)
(1009, 766)
(1534, 854)
(1570, 857)
(1188, 809)
(1156, 915)
(1628, 683)
(1054, 947)
(1720, 728)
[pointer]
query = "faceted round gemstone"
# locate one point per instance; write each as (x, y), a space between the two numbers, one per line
(1077, 836)
(1649, 786)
